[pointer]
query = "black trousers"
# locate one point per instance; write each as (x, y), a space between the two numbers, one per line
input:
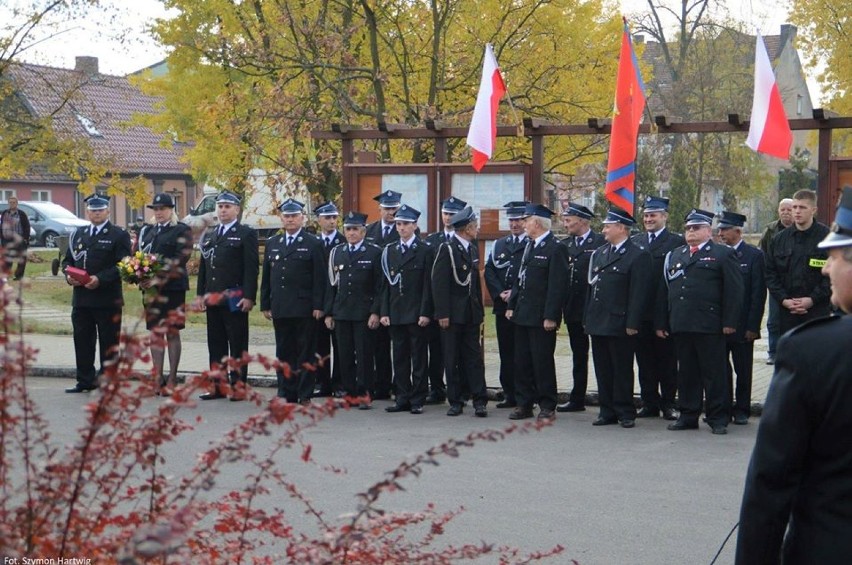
(95, 326)
(357, 344)
(741, 353)
(657, 369)
(701, 369)
(227, 336)
(410, 350)
(328, 375)
(579, 341)
(436, 358)
(463, 364)
(506, 346)
(535, 368)
(15, 252)
(613, 357)
(295, 344)
(384, 370)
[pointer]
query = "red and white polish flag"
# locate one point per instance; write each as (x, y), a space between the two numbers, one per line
(768, 131)
(482, 135)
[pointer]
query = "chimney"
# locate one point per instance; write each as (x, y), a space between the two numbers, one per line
(788, 34)
(87, 65)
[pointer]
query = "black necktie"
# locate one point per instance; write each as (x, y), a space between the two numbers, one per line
(448, 236)
(94, 231)
(579, 240)
(351, 249)
(515, 241)
(652, 237)
(221, 231)
(403, 248)
(328, 242)
(614, 249)
(386, 233)
(289, 240)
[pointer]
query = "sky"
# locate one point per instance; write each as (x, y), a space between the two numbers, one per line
(135, 50)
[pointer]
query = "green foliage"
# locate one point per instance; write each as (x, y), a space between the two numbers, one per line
(683, 190)
(797, 177)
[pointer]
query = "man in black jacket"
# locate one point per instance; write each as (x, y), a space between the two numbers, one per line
(97, 299)
(700, 305)
(535, 307)
(656, 356)
(795, 506)
(501, 269)
(292, 295)
(619, 276)
(406, 309)
(14, 237)
(327, 374)
(741, 343)
(227, 289)
(581, 243)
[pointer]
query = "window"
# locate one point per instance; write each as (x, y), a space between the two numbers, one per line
(6, 194)
(799, 103)
(40, 195)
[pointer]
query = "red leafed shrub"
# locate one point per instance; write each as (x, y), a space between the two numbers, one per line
(108, 496)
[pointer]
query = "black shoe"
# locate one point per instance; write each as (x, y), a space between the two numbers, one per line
(416, 409)
(397, 408)
(604, 422)
(79, 388)
(211, 396)
(507, 404)
(521, 413)
(570, 406)
(322, 392)
(719, 430)
(648, 412)
(681, 425)
(480, 411)
(669, 414)
(455, 410)
(546, 415)
(436, 397)
(770, 360)
(740, 420)
(628, 423)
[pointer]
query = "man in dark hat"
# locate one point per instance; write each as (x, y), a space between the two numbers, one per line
(741, 343)
(656, 356)
(535, 308)
(352, 307)
(581, 243)
(701, 298)
(406, 309)
(91, 267)
(227, 288)
(292, 293)
(328, 373)
(619, 276)
(501, 270)
(437, 389)
(795, 506)
(457, 296)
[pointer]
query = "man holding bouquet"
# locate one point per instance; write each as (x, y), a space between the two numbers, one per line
(91, 267)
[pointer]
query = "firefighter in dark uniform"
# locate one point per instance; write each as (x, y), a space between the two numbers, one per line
(794, 264)
(656, 356)
(292, 291)
(382, 232)
(700, 305)
(619, 275)
(535, 308)
(328, 373)
(501, 270)
(96, 304)
(741, 344)
(457, 296)
(406, 309)
(796, 504)
(227, 289)
(437, 389)
(352, 305)
(581, 243)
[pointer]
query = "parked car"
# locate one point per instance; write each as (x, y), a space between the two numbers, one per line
(49, 220)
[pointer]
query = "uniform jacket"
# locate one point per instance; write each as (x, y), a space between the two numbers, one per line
(337, 239)
(702, 293)
(374, 234)
(354, 282)
(578, 274)
(229, 262)
(750, 260)
(99, 256)
(435, 239)
(25, 227)
(173, 243)
(618, 290)
(800, 473)
(665, 242)
(501, 269)
(456, 289)
(293, 278)
(794, 266)
(407, 288)
(542, 283)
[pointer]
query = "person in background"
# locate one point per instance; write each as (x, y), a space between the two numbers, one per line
(785, 220)
(795, 506)
(14, 238)
(328, 373)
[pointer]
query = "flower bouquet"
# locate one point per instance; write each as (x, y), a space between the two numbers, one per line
(140, 267)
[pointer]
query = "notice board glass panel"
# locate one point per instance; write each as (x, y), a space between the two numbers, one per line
(488, 192)
(415, 192)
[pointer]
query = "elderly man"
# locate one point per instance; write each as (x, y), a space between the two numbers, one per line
(535, 307)
(795, 506)
(700, 305)
(15, 237)
(785, 220)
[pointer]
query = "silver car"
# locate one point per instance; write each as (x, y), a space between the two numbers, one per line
(49, 220)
